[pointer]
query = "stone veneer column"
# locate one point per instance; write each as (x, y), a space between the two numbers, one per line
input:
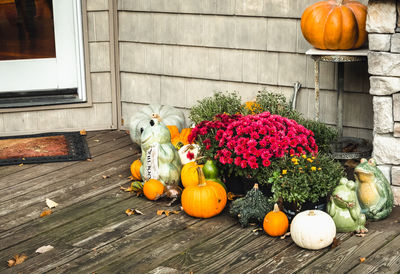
(384, 67)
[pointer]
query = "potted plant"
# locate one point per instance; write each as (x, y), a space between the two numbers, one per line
(304, 182)
(248, 146)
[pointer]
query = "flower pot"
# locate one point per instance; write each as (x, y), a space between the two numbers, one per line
(291, 209)
(240, 185)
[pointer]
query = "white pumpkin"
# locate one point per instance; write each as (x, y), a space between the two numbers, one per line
(313, 229)
(183, 151)
(140, 120)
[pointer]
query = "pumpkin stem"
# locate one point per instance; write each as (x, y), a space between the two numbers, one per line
(156, 116)
(276, 208)
(311, 213)
(200, 174)
(339, 2)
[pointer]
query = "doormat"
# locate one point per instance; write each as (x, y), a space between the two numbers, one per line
(43, 148)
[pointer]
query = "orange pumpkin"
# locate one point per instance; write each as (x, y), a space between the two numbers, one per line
(335, 24)
(153, 189)
(275, 222)
(174, 131)
(189, 175)
(135, 169)
(205, 200)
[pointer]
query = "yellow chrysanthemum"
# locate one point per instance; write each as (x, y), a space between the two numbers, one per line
(303, 156)
(310, 160)
(313, 168)
(284, 171)
(319, 168)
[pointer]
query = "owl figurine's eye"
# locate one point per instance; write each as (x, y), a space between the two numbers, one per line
(152, 123)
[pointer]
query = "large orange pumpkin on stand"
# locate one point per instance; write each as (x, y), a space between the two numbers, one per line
(335, 24)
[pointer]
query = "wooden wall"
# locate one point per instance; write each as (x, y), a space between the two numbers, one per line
(176, 52)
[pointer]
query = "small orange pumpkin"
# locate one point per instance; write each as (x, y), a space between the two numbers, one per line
(189, 175)
(335, 24)
(153, 189)
(204, 200)
(275, 222)
(135, 169)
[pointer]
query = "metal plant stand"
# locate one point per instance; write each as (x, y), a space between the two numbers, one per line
(340, 57)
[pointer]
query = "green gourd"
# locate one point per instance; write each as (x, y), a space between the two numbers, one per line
(251, 208)
(211, 172)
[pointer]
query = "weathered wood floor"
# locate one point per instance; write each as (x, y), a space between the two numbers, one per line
(91, 233)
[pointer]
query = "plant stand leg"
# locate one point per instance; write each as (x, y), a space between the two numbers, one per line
(340, 88)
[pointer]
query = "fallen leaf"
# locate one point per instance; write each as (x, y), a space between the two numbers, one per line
(133, 211)
(105, 176)
(127, 132)
(82, 132)
(335, 242)
(50, 203)
(257, 229)
(232, 196)
(131, 178)
(18, 259)
(21, 164)
(45, 213)
(89, 160)
(120, 176)
(362, 259)
(287, 234)
(167, 212)
(360, 235)
(44, 249)
(96, 140)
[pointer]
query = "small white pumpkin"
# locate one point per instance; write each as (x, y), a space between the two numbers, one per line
(313, 229)
(167, 114)
(183, 151)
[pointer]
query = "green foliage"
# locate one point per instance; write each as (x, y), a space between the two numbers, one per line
(251, 208)
(275, 104)
(302, 179)
(324, 136)
(220, 102)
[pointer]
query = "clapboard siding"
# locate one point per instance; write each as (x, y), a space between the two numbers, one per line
(97, 116)
(179, 51)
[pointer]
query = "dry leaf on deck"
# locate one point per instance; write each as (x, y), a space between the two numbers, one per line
(232, 196)
(89, 160)
(45, 213)
(133, 211)
(362, 259)
(96, 140)
(127, 132)
(287, 234)
(120, 176)
(44, 249)
(18, 259)
(105, 176)
(50, 203)
(167, 212)
(257, 229)
(82, 132)
(335, 242)
(21, 164)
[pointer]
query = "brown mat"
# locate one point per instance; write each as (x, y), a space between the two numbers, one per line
(49, 147)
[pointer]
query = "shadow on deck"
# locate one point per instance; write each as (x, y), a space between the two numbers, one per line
(90, 231)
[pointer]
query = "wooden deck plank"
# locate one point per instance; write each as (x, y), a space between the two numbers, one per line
(60, 217)
(385, 260)
(347, 255)
(236, 250)
(60, 235)
(134, 239)
(293, 258)
(111, 141)
(121, 150)
(150, 257)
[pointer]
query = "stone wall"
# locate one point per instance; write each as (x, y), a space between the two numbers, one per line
(176, 52)
(384, 67)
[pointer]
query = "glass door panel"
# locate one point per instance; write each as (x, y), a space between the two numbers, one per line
(26, 29)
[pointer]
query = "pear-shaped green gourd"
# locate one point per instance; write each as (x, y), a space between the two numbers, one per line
(210, 171)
